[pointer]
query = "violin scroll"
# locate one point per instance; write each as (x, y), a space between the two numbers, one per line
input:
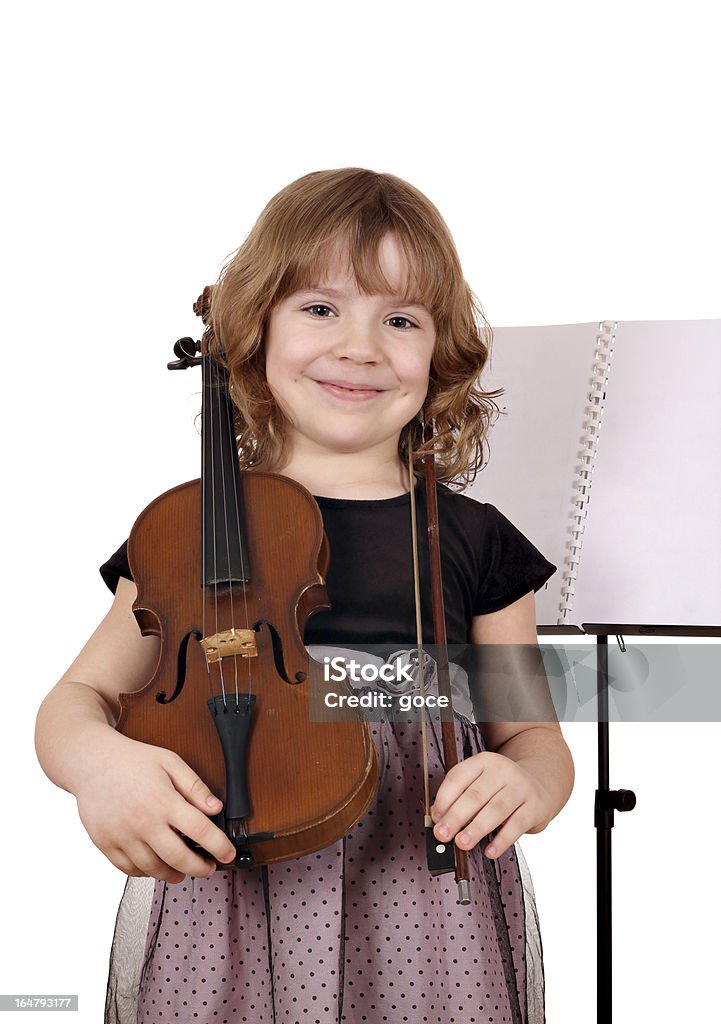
(185, 349)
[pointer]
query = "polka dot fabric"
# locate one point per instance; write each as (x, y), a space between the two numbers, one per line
(358, 933)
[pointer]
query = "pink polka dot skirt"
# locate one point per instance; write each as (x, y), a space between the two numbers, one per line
(358, 933)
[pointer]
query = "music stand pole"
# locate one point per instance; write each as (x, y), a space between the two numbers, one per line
(607, 801)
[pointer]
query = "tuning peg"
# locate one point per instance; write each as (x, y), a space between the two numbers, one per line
(185, 349)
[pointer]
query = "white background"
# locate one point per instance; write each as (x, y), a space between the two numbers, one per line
(571, 148)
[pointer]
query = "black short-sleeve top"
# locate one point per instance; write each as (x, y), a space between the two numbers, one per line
(487, 563)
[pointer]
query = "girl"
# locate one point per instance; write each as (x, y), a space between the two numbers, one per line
(342, 316)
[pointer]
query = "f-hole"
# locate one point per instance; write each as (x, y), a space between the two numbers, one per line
(278, 658)
(161, 696)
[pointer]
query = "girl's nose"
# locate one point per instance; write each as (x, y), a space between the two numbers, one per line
(359, 341)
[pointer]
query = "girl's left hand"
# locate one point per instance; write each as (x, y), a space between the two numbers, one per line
(483, 792)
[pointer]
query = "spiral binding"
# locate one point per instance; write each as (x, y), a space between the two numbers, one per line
(584, 470)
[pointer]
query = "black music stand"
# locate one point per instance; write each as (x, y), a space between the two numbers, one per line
(607, 801)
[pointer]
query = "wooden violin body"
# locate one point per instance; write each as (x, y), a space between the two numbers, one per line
(308, 782)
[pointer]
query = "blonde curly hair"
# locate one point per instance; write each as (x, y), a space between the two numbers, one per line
(288, 249)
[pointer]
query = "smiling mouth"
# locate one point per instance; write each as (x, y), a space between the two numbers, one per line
(349, 392)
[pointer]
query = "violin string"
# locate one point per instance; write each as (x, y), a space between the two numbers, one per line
(225, 398)
(236, 499)
(203, 470)
(213, 459)
(419, 626)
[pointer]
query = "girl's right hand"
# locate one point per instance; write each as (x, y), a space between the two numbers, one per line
(136, 798)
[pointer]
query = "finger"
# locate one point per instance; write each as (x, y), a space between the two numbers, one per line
(458, 779)
(191, 823)
(149, 864)
(479, 795)
(172, 849)
(513, 829)
(494, 818)
(189, 784)
(118, 859)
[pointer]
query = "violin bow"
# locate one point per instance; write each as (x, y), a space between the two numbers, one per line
(442, 857)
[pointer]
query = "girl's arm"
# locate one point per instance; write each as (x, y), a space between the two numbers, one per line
(80, 707)
(133, 797)
(526, 775)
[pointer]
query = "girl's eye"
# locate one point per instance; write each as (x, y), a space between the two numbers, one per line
(319, 305)
(405, 318)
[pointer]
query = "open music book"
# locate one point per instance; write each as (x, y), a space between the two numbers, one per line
(608, 457)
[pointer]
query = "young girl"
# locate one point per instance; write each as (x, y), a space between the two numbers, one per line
(342, 317)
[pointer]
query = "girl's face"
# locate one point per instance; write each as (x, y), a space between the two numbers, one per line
(349, 370)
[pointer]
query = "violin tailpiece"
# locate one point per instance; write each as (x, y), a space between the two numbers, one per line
(232, 714)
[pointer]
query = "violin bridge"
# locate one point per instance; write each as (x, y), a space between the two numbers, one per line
(228, 643)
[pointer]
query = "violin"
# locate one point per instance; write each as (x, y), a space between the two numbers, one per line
(228, 570)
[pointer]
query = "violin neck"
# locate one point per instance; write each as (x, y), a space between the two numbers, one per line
(224, 549)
